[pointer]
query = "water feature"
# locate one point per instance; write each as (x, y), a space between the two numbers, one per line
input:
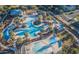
(31, 29)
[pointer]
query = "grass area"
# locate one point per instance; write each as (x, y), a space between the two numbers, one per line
(69, 47)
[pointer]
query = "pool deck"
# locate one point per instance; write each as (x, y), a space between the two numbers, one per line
(43, 46)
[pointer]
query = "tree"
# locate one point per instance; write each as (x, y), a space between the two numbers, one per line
(49, 17)
(65, 49)
(12, 35)
(74, 50)
(40, 17)
(26, 39)
(26, 35)
(19, 41)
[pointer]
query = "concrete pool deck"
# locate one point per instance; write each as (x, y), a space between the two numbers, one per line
(41, 47)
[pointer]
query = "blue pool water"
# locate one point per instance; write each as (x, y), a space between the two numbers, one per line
(6, 35)
(15, 12)
(61, 27)
(52, 41)
(59, 43)
(37, 46)
(21, 31)
(32, 29)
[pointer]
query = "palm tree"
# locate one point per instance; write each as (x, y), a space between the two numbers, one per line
(16, 21)
(1, 8)
(40, 17)
(51, 27)
(12, 38)
(26, 37)
(34, 7)
(72, 40)
(49, 17)
(12, 35)
(21, 21)
(6, 7)
(19, 41)
(13, 7)
(11, 42)
(40, 34)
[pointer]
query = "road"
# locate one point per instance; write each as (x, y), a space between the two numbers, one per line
(74, 14)
(68, 28)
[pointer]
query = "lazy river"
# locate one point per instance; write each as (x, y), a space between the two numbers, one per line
(31, 30)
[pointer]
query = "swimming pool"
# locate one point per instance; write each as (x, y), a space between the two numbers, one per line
(31, 29)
